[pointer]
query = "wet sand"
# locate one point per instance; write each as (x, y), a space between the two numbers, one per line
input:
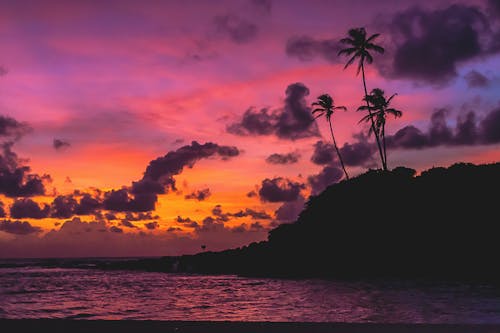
(131, 326)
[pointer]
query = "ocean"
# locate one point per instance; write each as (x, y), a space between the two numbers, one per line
(33, 289)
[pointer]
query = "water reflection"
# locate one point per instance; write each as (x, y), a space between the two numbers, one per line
(93, 294)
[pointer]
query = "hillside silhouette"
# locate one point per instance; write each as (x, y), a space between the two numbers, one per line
(441, 224)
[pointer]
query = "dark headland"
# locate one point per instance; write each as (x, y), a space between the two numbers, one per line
(441, 224)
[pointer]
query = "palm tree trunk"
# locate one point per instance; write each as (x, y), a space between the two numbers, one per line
(337, 149)
(384, 166)
(384, 146)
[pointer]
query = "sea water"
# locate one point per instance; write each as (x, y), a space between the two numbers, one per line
(29, 290)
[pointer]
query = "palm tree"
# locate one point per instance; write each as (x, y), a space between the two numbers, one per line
(377, 102)
(359, 48)
(326, 107)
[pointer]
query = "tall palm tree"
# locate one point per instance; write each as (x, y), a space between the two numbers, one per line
(380, 106)
(326, 107)
(359, 47)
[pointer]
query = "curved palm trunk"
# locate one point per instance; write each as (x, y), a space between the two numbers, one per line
(337, 149)
(384, 166)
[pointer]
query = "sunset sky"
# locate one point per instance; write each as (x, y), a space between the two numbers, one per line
(138, 128)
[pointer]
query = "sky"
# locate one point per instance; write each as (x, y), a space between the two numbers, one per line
(155, 127)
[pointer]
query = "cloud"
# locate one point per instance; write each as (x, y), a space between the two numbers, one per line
(358, 153)
(63, 206)
(59, 144)
(88, 205)
(288, 158)
(237, 29)
(279, 190)
(151, 225)
(475, 79)
(18, 227)
(158, 177)
(429, 45)
(15, 178)
(254, 214)
(122, 201)
(27, 208)
(199, 195)
(327, 176)
(306, 48)
(251, 194)
(116, 229)
(127, 223)
(468, 131)
(323, 153)
(293, 121)
(289, 211)
(11, 129)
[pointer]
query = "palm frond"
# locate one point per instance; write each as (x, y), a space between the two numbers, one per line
(372, 37)
(349, 63)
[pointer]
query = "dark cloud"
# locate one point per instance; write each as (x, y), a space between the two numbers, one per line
(158, 177)
(358, 153)
(63, 206)
(255, 122)
(494, 7)
(210, 224)
(306, 48)
(59, 144)
(408, 137)
(199, 195)
(323, 153)
(279, 190)
(468, 131)
(254, 214)
(140, 216)
(288, 158)
(430, 44)
(289, 211)
(475, 79)
(11, 129)
(15, 178)
(27, 208)
(127, 223)
(180, 219)
(88, 205)
(439, 132)
(327, 176)
(252, 194)
(122, 201)
(116, 229)
(18, 227)
(294, 121)
(490, 127)
(151, 225)
(238, 30)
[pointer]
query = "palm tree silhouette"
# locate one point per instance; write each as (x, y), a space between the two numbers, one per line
(326, 108)
(359, 47)
(377, 102)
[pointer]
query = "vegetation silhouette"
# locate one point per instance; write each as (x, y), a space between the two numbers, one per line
(380, 106)
(326, 108)
(359, 47)
(440, 225)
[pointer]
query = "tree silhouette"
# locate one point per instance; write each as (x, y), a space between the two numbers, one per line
(359, 47)
(377, 102)
(326, 107)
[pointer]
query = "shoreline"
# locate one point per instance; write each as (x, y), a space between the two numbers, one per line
(152, 326)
